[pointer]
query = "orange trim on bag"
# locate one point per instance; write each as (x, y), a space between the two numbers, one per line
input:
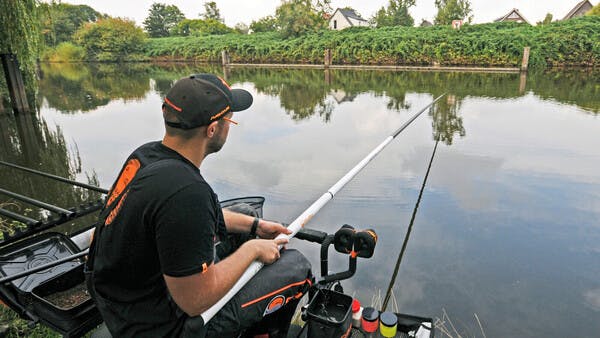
(172, 105)
(276, 292)
(115, 211)
(131, 168)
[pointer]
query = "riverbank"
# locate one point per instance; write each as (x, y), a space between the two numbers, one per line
(572, 43)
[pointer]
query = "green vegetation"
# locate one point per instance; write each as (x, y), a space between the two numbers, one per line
(396, 14)
(162, 19)
(297, 17)
(20, 36)
(449, 10)
(112, 39)
(59, 21)
(566, 43)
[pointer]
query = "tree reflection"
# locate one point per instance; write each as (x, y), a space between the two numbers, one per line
(72, 87)
(445, 119)
(27, 141)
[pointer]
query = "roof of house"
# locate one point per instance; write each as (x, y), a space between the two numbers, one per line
(576, 8)
(350, 14)
(515, 11)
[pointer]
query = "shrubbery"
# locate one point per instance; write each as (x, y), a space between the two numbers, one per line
(568, 43)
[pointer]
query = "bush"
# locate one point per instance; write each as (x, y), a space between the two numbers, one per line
(65, 52)
(112, 39)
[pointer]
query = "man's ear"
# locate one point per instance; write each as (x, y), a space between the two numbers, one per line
(211, 129)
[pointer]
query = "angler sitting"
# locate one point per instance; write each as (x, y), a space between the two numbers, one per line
(153, 267)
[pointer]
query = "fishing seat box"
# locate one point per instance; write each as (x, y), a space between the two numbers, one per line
(31, 292)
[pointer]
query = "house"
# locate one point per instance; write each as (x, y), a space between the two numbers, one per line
(579, 10)
(346, 17)
(513, 15)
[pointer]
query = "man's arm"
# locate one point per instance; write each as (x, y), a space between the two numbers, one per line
(239, 223)
(197, 293)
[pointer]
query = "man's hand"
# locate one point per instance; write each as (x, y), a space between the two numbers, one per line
(267, 250)
(269, 230)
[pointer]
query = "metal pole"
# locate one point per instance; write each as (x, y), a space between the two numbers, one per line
(54, 177)
(37, 203)
(43, 267)
(308, 214)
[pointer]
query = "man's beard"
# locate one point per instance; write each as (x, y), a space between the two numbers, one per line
(215, 144)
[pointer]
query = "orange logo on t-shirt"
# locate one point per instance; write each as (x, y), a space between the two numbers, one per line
(128, 173)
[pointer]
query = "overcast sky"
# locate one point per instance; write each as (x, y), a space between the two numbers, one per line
(235, 11)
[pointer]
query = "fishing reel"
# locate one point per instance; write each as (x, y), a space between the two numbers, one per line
(347, 240)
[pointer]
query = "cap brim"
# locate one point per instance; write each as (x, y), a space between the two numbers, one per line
(241, 99)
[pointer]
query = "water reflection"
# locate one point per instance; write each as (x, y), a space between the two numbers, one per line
(26, 140)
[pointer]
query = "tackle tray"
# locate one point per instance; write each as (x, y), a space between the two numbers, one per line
(28, 295)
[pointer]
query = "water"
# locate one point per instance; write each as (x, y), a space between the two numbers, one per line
(507, 227)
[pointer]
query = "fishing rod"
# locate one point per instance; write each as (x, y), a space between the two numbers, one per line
(308, 214)
(54, 177)
(410, 225)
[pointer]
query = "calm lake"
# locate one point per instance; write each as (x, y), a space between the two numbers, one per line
(507, 230)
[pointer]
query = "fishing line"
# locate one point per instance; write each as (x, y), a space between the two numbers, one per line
(410, 225)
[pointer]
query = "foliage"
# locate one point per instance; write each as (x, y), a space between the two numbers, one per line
(594, 11)
(20, 34)
(266, 24)
(449, 10)
(566, 43)
(65, 52)
(547, 20)
(59, 21)
(396, 14)
(112, 39)
(199, 27)
(296, 17)
(211, 12)
(161, 19)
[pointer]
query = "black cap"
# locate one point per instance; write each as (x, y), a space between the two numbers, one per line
(200, 99)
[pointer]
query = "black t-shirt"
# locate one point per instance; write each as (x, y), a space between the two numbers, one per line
(166, 222)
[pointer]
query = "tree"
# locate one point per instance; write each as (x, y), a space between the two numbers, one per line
(59, 21)
(198, 27)
(396, 14)
(449, 10)
(547, 20)
(112, 39)
(266, 24)
(161, 20)
(295, 17)
(20, 35)
(211, 11)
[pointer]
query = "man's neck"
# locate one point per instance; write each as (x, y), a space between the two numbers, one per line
(193, 149)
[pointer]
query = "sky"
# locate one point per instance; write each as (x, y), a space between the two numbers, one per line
(240, 11)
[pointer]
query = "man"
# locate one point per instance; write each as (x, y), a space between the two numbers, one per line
(153, 268)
